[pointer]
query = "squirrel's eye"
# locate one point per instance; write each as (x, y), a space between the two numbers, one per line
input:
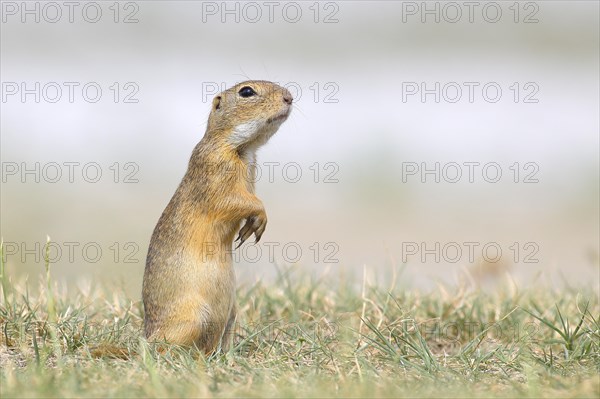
(246, 91)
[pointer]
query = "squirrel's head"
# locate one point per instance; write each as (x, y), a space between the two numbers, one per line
(249, 113)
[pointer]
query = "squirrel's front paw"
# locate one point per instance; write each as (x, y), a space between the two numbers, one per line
(254, 224)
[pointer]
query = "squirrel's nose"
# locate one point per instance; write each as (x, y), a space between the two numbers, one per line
(287, 98)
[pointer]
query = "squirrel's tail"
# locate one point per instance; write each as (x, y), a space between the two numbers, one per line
(111, 351)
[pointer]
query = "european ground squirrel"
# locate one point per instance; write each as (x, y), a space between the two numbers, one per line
(189, 280)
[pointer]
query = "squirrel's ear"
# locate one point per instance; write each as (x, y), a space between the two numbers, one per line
(216, 103)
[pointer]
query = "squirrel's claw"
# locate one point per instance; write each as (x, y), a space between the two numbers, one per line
(245, 232)
(254, 224)
(259, 232)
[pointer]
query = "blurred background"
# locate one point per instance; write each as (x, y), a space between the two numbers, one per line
(437, 138)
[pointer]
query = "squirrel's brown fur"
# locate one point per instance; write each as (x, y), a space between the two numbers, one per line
(189, 281)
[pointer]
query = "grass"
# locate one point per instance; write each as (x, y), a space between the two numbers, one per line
(309, 338)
